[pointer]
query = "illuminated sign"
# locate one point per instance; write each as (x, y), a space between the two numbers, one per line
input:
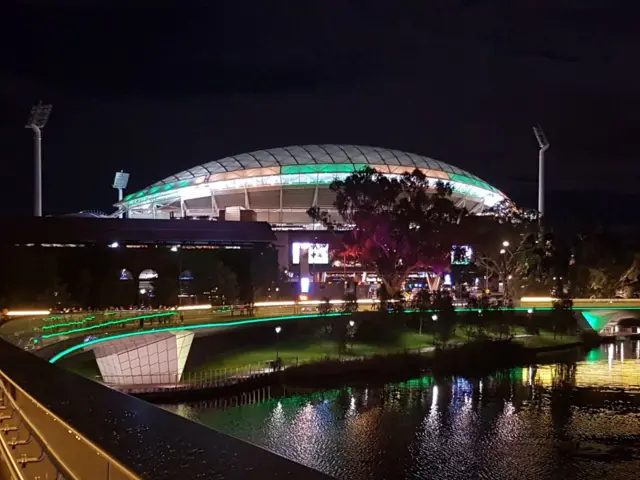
(461, 255)
(318, 253)
(305, 283)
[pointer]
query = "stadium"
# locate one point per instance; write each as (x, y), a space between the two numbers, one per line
(279, 185)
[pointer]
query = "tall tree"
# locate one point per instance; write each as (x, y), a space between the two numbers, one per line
(400, 224)
(509, 245)
(601, 266)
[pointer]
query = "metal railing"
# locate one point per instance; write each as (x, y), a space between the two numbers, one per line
(154, 383)
(37, 444)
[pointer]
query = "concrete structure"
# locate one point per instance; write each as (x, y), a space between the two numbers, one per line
(280, 184)
(156, 358)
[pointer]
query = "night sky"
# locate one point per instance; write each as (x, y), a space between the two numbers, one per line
(156, 90)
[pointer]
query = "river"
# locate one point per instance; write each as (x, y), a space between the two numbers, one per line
(573, 420)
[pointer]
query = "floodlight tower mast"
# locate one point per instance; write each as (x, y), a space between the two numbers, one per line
(36, 122)
(543, 144)
(120, 182)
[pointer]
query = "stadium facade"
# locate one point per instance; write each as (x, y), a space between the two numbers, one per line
(279, 185)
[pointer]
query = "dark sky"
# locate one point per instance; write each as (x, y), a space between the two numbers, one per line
(157, 90)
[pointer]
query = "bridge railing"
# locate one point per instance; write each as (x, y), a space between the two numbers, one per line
(35, 443)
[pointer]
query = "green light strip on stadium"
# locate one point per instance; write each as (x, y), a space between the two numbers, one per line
(323, 168)
(106, 324)
(189, 327)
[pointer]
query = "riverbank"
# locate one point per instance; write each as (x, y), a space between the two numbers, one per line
(472, 359)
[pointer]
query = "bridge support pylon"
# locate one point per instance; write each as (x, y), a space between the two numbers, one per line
(151, 359)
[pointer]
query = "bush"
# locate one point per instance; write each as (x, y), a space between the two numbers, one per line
(379, 328)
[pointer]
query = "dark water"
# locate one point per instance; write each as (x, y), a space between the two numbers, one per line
(564, 421)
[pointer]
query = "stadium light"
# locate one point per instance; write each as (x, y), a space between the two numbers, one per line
(543, 144)
(120, 182)
(37, 120)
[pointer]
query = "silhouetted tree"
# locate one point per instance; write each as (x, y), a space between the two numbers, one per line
(401, 224)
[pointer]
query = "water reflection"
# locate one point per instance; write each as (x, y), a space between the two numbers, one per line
(593, 372)
(548, 421)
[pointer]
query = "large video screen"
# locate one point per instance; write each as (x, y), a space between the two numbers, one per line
(318, 253)
(461, 255)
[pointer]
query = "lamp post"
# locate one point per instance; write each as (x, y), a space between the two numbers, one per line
(543, 145)
(351, 332)
(278, 329)
(36, 122)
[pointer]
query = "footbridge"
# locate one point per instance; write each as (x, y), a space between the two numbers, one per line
(58, 425)
(606, 316)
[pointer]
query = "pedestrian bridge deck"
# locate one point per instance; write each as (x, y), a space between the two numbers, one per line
(59, 425)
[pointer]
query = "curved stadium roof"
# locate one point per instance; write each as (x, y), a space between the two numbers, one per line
(304, 165)
(316, 155)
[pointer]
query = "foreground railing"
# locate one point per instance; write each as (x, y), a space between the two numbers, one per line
(36, 444)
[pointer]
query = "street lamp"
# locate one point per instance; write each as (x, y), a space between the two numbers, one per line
(503, 251)
(351, 323)
(543, 144)
(37, 120)
(278, 329)
(530, 311)
(505, 243)
(434, 317)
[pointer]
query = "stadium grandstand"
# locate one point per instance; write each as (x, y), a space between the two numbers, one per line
(279, 185)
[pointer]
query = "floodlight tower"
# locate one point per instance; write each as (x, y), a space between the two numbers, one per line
(120, 182)
(36, 122)
(544, 145)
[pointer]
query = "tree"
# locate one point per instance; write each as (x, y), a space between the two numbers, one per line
(563, 321)
(421, 304)
(325, 307)
(350, 304)
(510, 245)
(400, 224)
(601, 266)
(445, 317)
(215, 279)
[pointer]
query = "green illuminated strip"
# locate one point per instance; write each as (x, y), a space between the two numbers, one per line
(322, 168)
(472, 181)
(68, 324)
(188, 327)
(596, 321)
(106, 324)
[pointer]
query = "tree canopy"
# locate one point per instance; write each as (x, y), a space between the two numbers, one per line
(399, 224)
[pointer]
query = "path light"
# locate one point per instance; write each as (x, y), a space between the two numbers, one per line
(351, 323)
(278, 329)
(434, 317)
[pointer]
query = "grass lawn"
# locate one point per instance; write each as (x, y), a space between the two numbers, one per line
(305, 350)
(310, 349)
(545, 339)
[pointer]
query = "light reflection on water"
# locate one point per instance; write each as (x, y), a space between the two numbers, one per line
(521, 424)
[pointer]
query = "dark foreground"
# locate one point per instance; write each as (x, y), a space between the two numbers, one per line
(148, 440)
(578, 419)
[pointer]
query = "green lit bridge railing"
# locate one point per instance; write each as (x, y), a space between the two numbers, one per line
(27, 332)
